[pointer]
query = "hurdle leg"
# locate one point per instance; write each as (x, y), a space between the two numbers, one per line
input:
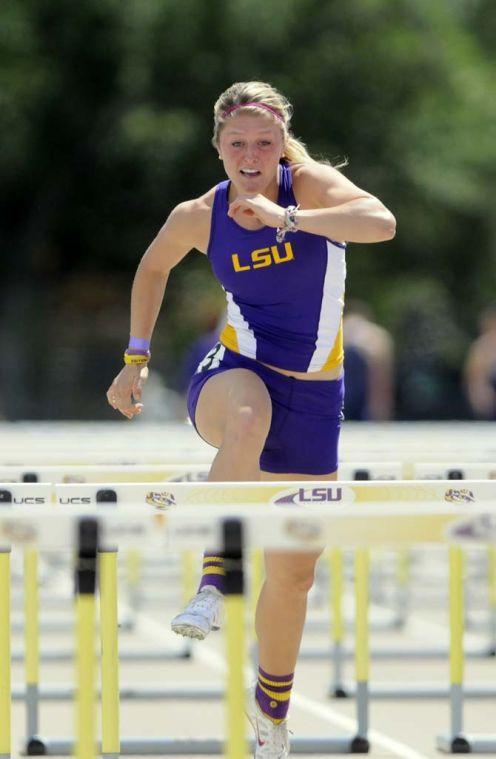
(256, 582)
(455, 742)
(31, 642)
(5, 680)
(109, 653)
(360, 743)
(402, 578)
(188, 577)
(337, 689)
(235, 747)
(133, 564)
(257, 579)
(491, 578)
(85, 702)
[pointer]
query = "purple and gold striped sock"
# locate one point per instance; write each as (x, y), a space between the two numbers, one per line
(272, 694)
(213, 571)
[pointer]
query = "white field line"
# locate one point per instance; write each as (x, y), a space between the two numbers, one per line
(215, 661)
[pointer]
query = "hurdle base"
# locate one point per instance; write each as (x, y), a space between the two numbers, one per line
(385, 691)
(139, 656)
(327, 653)
(453, 744)
(467, 744)
(61, 626)
(35, 746)
(339, 692)
(38, 746)
(193, 691)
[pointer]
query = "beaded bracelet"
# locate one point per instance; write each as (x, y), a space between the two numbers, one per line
(290, 223)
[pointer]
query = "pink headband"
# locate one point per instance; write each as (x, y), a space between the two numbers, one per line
(256, 105)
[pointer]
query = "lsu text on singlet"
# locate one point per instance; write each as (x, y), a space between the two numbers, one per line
(284, 300)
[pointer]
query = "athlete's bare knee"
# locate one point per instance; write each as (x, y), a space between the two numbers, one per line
(297, 580)
(248, 425)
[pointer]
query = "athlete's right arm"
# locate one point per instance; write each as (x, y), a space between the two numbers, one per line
(177, 237)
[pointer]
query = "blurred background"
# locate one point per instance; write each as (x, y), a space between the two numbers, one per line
(105, 124)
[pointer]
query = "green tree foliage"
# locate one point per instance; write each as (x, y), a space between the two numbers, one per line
(105, 122)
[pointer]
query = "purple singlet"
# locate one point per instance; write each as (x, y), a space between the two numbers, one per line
(285, 300)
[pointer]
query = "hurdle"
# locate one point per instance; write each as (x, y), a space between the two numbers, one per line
(111, 442)
(85, 745)
(20, 496)
(190, 473)
(101, 473)
(30, 493)
(426, 513)
(338, 653)
(174, 746)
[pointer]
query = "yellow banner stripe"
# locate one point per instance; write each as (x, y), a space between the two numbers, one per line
(213, 558)
(276, 696)
(214, 571)
(264, 680)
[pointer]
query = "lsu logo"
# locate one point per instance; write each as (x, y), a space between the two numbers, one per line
(309, 495)
(162, 500)
(459, 496)
(481, 528)
(263, 257)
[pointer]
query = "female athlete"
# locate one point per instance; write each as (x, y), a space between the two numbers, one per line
(269, 396)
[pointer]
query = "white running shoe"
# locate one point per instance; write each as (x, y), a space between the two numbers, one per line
(271, 740)
(201, 615)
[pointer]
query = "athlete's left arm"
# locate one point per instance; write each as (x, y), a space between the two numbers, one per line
(335, 207)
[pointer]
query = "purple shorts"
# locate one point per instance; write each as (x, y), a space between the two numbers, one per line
(306, 415)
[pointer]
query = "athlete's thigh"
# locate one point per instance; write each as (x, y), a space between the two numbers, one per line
(222, 395)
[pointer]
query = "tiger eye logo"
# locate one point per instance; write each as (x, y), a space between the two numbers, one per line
(459, 496)
(163, 500)
(18, 532)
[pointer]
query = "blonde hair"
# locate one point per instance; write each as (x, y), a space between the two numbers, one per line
(240, 93)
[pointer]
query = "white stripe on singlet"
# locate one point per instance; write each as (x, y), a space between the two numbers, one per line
(332, 306)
